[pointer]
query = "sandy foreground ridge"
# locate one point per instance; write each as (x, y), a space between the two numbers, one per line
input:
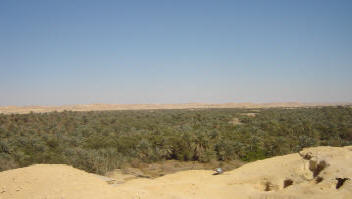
(105, 107)
(321, 172)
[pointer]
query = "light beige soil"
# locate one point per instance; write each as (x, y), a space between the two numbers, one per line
(260, 179)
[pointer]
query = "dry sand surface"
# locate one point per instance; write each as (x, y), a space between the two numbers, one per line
(314, 173)
(103, 107)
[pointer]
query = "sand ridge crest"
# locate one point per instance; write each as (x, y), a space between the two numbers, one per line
(295, 175)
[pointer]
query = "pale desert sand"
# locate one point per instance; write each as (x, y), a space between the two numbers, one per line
(106, 107)
(311, 174)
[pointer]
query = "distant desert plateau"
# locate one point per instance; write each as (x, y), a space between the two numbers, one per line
(107, 107)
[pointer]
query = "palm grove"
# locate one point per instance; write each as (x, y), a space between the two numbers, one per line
(102, 141)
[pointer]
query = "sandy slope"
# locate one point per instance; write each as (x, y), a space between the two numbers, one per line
(103, 107)
(260, 179)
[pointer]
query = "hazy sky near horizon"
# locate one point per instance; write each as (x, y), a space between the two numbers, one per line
(127, 52)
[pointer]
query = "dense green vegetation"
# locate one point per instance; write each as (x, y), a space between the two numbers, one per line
(102, 141)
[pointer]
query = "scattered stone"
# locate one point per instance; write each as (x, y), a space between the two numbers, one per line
(218, 171)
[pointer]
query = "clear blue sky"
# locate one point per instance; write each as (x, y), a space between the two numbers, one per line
(79, 52)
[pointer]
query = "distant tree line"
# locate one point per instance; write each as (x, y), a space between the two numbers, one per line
(102, 141)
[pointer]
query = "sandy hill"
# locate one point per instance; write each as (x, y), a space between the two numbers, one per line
(321, 172)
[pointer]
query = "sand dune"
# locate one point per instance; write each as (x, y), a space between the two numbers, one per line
(104, 107)
(314, 173)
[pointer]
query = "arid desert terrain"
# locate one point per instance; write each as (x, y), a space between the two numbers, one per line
(104, 107)
(320, 172)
